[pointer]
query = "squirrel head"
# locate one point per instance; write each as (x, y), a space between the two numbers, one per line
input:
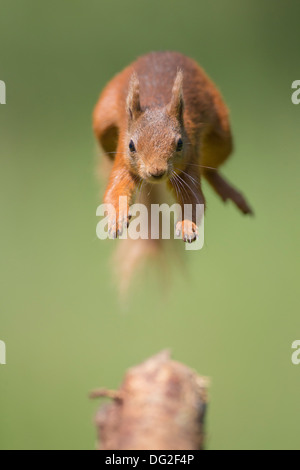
(155, 139)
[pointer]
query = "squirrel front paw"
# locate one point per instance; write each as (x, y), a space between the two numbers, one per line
(118, 221)
(188, 230)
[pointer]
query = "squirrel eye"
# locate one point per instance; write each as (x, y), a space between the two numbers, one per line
(179, 145)
(131, 146)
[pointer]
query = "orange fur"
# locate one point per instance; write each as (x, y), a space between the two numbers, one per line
(160, 99)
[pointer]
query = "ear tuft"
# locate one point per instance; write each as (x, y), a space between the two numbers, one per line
(176, 105)
(133, 98)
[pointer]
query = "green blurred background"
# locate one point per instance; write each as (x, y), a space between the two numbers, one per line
(236, 315)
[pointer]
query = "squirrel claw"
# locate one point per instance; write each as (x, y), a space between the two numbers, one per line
(188, 230)
(116, 229)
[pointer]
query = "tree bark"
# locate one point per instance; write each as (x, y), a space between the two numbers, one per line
(161, 405)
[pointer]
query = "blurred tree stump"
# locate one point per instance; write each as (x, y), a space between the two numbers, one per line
(161, 405)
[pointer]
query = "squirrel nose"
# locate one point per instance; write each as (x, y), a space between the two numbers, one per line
(158, 174)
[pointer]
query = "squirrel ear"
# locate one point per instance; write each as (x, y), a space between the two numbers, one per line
(133, 98)
(176, 105)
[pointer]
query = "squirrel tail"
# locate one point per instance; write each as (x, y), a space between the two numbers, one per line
(132, 257)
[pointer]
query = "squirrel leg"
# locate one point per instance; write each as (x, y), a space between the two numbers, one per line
(226, 191)
(118, 196)
(105, 120)
(187, 189)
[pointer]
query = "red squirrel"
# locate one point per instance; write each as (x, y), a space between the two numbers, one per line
(162, 120)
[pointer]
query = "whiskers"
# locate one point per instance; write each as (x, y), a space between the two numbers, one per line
(186, 190)
(139, 189)
(202, 166)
